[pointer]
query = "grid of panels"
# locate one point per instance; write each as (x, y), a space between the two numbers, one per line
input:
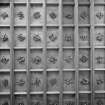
(52, 52)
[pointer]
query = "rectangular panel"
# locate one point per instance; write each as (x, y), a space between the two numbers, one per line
(52, 58)
(99, 82)
(84, 15)
(5, 15)
(99, 99)
(5, 59)
(37, 37)
(66, 1)
(37, 100)
(69, 81)
(69, 99)
(84, 58)
(20, 99)
(4, 100)
(20, 37)
(36, 1)
(84, 1)
(52, 1)
(20, 14)
(68, 16)
(20, 59)
(36, 59)
(53, 37)
(84, 81)
(5, 82)
(53, 99)
(52, 15)
(84, 99)
(68, 37)
(36, 16)
(4, 1)
(37, 81)
(20, 82)
(53, 81)
(99, 58)
(84, 37)
(99, 1)
(99, 15)
(5, 37)
(99, 36)
(68, 58)
(20, 1)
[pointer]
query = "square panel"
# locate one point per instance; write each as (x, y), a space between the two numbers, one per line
(69, 81)
(4, 100)
(52, 58)
(20, 37)
(37, 37)
(99, 36)
(5, 15)
(5, 59)
(37, 81)
(20, 14)
(20, 100)
(4, 82)
(36, 59)
(5, 37)
(52, 15)
(84, 17)
(37, 100)
(53, 37)
(99, 99)
(37, 17)
(69, 99)
(84, 37)
(84, 99)
(68, 14)
(20, 59)
(68, 58)
(99, 14)
(84, 81)
(20, 82)
(99, 80)
(99, 58)
(84, 58)
(68, 37)
(53, 81)
(52, 99)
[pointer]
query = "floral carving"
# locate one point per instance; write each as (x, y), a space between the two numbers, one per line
(53, 15)
(21, 37)
(52, 37)
(20, 15)
(4, 37)
(83, 15)
(99, 15)
(36, 38)
(4, 15)
(37, 60)
(21, 60)
(52, 59)
(84, 59)
(4, 60)
(36, 15)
